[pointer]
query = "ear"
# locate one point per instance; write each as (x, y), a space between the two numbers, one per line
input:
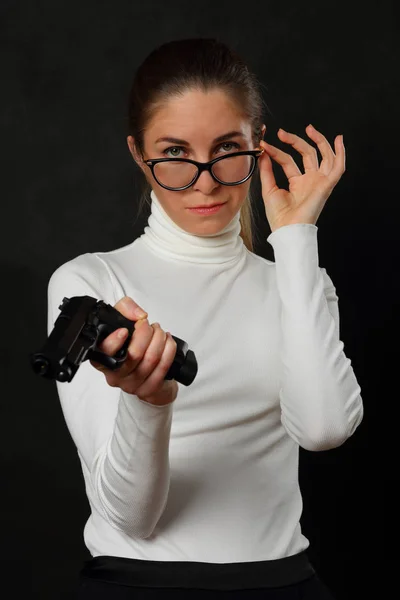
(135, 154)
(263, 130)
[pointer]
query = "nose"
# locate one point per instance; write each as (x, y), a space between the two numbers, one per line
(205, 183)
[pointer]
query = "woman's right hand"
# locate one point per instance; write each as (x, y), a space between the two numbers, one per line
(151, 352)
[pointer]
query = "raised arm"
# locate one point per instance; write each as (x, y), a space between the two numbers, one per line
(320, 396)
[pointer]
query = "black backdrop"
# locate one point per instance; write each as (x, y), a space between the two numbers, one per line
(69, 186)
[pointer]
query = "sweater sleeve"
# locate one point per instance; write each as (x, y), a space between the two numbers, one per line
(122, 441)
(321, 405)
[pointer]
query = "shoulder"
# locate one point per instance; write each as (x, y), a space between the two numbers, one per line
(258, 260)
(88, 266)
(84, 275)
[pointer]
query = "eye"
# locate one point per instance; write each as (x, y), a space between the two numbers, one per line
(173, 148)
(233, 145)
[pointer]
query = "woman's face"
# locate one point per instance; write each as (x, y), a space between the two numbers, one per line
(197, 118)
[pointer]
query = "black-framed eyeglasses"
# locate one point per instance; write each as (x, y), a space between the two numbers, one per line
(178, 174)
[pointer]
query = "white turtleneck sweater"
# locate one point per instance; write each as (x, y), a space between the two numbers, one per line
(212, 477)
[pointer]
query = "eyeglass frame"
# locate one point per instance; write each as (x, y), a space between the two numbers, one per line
(205, 166)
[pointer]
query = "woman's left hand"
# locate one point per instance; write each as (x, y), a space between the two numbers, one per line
(308, 191)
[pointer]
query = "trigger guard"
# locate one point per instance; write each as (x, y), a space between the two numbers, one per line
(120, 357)
(111, 362)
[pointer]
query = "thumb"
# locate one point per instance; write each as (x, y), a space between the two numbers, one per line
(130, 309)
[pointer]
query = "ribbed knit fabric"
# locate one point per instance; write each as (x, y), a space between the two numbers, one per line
(212, 477)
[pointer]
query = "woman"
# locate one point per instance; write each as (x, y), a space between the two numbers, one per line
(194, 489)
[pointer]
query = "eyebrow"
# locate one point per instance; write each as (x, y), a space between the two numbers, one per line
(220, 138)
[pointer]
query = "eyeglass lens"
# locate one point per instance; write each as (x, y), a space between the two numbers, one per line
(178, 173)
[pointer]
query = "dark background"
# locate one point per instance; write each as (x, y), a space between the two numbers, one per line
(69, 186)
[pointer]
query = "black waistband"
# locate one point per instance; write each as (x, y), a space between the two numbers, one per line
(199, 575)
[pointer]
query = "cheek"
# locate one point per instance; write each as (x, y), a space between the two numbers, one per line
(172, 202)
(239, 193)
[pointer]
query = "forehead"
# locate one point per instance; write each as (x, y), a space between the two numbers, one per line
(198, 114)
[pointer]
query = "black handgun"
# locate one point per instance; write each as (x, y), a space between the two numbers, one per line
(83, 324)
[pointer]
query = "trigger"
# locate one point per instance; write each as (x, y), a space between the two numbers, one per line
(103, 359)
(121, 354)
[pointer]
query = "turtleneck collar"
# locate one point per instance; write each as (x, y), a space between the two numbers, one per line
(167, 239)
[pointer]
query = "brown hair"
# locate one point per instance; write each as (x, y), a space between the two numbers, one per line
(199, 63)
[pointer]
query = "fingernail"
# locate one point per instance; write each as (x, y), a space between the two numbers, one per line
(128, 303)
(140, 322)
(122, 333)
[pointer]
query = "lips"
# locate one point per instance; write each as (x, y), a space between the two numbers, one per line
(208, 205)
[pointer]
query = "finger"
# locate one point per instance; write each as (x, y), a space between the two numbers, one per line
(308, 152)
(339, 166)
(98, 366)
(152, 355)
(155, 380)
(110, 345)
(285, 160)
(130, 309)
(138, 345)
(142, 366)
(266, 172)
(328, 155)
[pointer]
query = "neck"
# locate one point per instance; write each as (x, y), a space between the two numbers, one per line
(167, 239)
